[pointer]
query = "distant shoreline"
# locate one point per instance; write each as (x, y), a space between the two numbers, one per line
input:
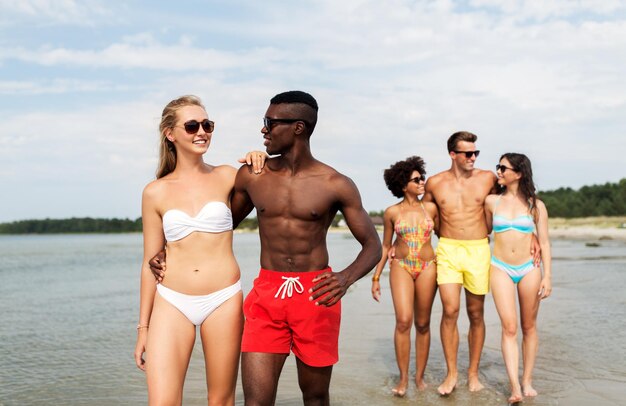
(583, 228)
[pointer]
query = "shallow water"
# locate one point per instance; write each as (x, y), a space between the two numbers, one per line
(69, 309)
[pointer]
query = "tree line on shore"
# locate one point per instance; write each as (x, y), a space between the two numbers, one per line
(588, 201)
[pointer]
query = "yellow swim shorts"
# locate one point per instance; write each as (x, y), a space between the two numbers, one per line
(465, 262)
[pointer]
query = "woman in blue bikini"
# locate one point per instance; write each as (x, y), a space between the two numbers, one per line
(515, 214)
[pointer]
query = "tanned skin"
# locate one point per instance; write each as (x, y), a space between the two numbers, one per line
(296, 198)
(460, 194)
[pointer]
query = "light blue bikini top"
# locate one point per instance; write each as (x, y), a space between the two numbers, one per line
(524, 224)
(214, 217)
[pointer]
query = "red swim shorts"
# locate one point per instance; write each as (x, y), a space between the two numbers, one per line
(280, 317)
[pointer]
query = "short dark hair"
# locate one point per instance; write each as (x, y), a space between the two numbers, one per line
(295, 96)
(399, 174)
(460, 136)
(304, 106)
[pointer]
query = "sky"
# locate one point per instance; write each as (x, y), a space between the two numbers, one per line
(83, 84)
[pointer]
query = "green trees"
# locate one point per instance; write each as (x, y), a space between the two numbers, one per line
(71, 225)
(597, 200)
(589, 201)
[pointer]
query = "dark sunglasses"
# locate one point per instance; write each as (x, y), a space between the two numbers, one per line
(193, 126)
(269, 122)
(421, 178)
(468, 154)
(503, 168)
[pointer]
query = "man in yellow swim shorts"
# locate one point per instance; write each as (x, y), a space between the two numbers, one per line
(463, 257)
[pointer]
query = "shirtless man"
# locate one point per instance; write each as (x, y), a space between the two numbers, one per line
(294, 304)
(463, 256)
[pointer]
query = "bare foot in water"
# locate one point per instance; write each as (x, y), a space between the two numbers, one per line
(516, 395)
(528, 390)
(421, 385)
(400, 389)
(448, 385)
(474, 384)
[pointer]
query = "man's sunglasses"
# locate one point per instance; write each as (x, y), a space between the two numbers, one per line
(193, 126)
(503, 168)
(417, 180)
(468, 154)
(269, 122)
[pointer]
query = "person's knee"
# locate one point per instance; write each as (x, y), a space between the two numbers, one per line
(164, 398)
(422, 326)
(403, 324)
(221, 399)
(476, 314)
(509, 329)
(315, 396)
(529, 327)
(450, 313)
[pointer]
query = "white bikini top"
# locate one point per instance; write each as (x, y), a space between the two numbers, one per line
(214, 217)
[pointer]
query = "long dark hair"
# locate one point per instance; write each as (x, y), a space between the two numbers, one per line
(521, 164)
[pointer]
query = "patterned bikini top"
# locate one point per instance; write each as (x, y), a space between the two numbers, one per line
(523, 224)
(414, 235)
(214, 217)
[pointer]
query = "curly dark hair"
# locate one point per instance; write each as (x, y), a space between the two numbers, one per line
(399, 174)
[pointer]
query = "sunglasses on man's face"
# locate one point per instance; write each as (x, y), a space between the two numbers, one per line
(270, 122)
(193, 126)
(468, 154)
(418, 179)
(503, 168)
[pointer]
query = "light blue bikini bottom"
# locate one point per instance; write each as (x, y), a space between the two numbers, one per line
(515, 272)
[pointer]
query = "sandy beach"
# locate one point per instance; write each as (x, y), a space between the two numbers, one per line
(589, 228)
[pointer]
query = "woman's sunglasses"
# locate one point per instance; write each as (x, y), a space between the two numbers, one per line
(418, 179)
(193, 126)
(503, 168)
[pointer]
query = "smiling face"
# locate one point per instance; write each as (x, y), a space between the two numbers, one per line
(506, 173)
(197, 142)
(459, 156)
(415, 185)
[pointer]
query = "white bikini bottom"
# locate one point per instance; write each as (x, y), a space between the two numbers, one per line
(198, 308)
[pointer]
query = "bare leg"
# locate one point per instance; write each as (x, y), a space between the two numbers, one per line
(425, 290)
(314, 383)
(259, 376)
(450, 298)
(529, 306)
(402, 293)
(170, 341)
(475, 312)
(503, 291)
(221, 342)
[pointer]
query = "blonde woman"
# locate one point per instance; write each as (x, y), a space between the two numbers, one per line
(187, 209)
(515, 214)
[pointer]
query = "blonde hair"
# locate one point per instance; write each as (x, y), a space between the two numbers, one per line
(167, 150)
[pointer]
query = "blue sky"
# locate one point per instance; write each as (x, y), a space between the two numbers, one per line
(82, 85)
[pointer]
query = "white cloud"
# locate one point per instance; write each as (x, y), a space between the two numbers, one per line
(393, 79)
(74, 12)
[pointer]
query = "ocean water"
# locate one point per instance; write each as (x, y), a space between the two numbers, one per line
(69, 305)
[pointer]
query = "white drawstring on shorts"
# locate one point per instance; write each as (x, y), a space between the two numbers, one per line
(288, 286)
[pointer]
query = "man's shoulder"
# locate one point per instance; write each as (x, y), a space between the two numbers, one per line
(484, 175)
(483, 172)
